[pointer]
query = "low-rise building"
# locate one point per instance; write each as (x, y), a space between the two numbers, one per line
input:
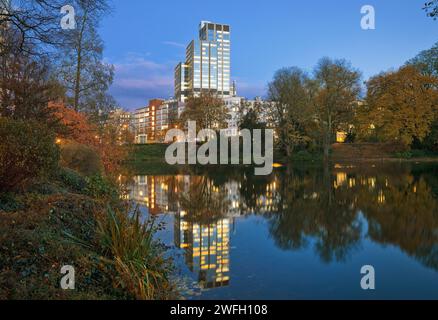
(152, 122)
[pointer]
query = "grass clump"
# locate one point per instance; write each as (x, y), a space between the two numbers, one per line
(138, 259)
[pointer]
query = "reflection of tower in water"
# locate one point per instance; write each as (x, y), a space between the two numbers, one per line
(206, 249)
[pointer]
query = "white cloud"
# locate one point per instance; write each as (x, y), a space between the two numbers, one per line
(139, 79)
(174, 44)
(150, 83)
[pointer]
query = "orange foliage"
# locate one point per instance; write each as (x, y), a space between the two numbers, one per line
(78, 128)
(81, 130)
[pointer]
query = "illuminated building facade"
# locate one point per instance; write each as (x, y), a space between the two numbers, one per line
(208, 63)
(152, 122)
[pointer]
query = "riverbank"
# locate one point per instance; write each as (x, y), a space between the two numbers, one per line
(152, 156)
(73, 220)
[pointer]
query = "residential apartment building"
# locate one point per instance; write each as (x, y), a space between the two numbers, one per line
(120, 117)
(152, 122)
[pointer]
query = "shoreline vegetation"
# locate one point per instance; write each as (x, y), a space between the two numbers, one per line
(152, 156)
(62, 204)
(78, 221)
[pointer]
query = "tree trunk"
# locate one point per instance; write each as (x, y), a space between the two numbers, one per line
(77, 89)
(77, 82)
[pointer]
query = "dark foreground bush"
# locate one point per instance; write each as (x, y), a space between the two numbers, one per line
(80, 158)
(99, 187)
(72, 179)
(27, 151)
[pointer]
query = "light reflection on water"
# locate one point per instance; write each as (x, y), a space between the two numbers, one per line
(301, 232)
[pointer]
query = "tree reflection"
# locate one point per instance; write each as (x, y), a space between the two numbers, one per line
(312, 213)
(328, 209)
(203, 201)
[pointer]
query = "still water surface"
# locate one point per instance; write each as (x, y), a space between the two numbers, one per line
(300, 233)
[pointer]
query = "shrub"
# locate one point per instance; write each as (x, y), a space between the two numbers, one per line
(9, 202)
(72, 179)
(100, 187)
(80, 158)
(27, 151)
(404, 155)
(304, 155)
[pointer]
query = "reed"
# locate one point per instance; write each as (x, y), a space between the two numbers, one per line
(139, 261)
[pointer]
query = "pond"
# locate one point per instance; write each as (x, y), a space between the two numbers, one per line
(304, 232)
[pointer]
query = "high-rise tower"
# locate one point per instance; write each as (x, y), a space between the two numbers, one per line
(208, 63)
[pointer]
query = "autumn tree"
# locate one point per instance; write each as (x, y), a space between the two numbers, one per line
(35, 22)
(291, 110)
(207, 110)
(26, 86)
(427, 61)
(400, 105)
(82, 70)
(338, 90)
(105, 140)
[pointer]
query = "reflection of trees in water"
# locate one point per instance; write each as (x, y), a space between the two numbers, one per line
(405, 214)
(323, 210)
(252, 187)
(312, 212)
(203, 201)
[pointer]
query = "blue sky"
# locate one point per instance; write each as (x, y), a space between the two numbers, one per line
(145, 39)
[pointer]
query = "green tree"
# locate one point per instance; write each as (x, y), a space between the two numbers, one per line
(338, 90)
(207, 110)
(251, 121)
(291, 109)
(431, 141)
(251, 115)
(27, 151)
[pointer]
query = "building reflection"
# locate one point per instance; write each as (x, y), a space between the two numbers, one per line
(206, 243)
(301, 208)
(207, 249)
(152, 192)
(202, 223)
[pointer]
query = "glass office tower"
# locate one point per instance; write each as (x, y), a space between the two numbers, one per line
(208, 63)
